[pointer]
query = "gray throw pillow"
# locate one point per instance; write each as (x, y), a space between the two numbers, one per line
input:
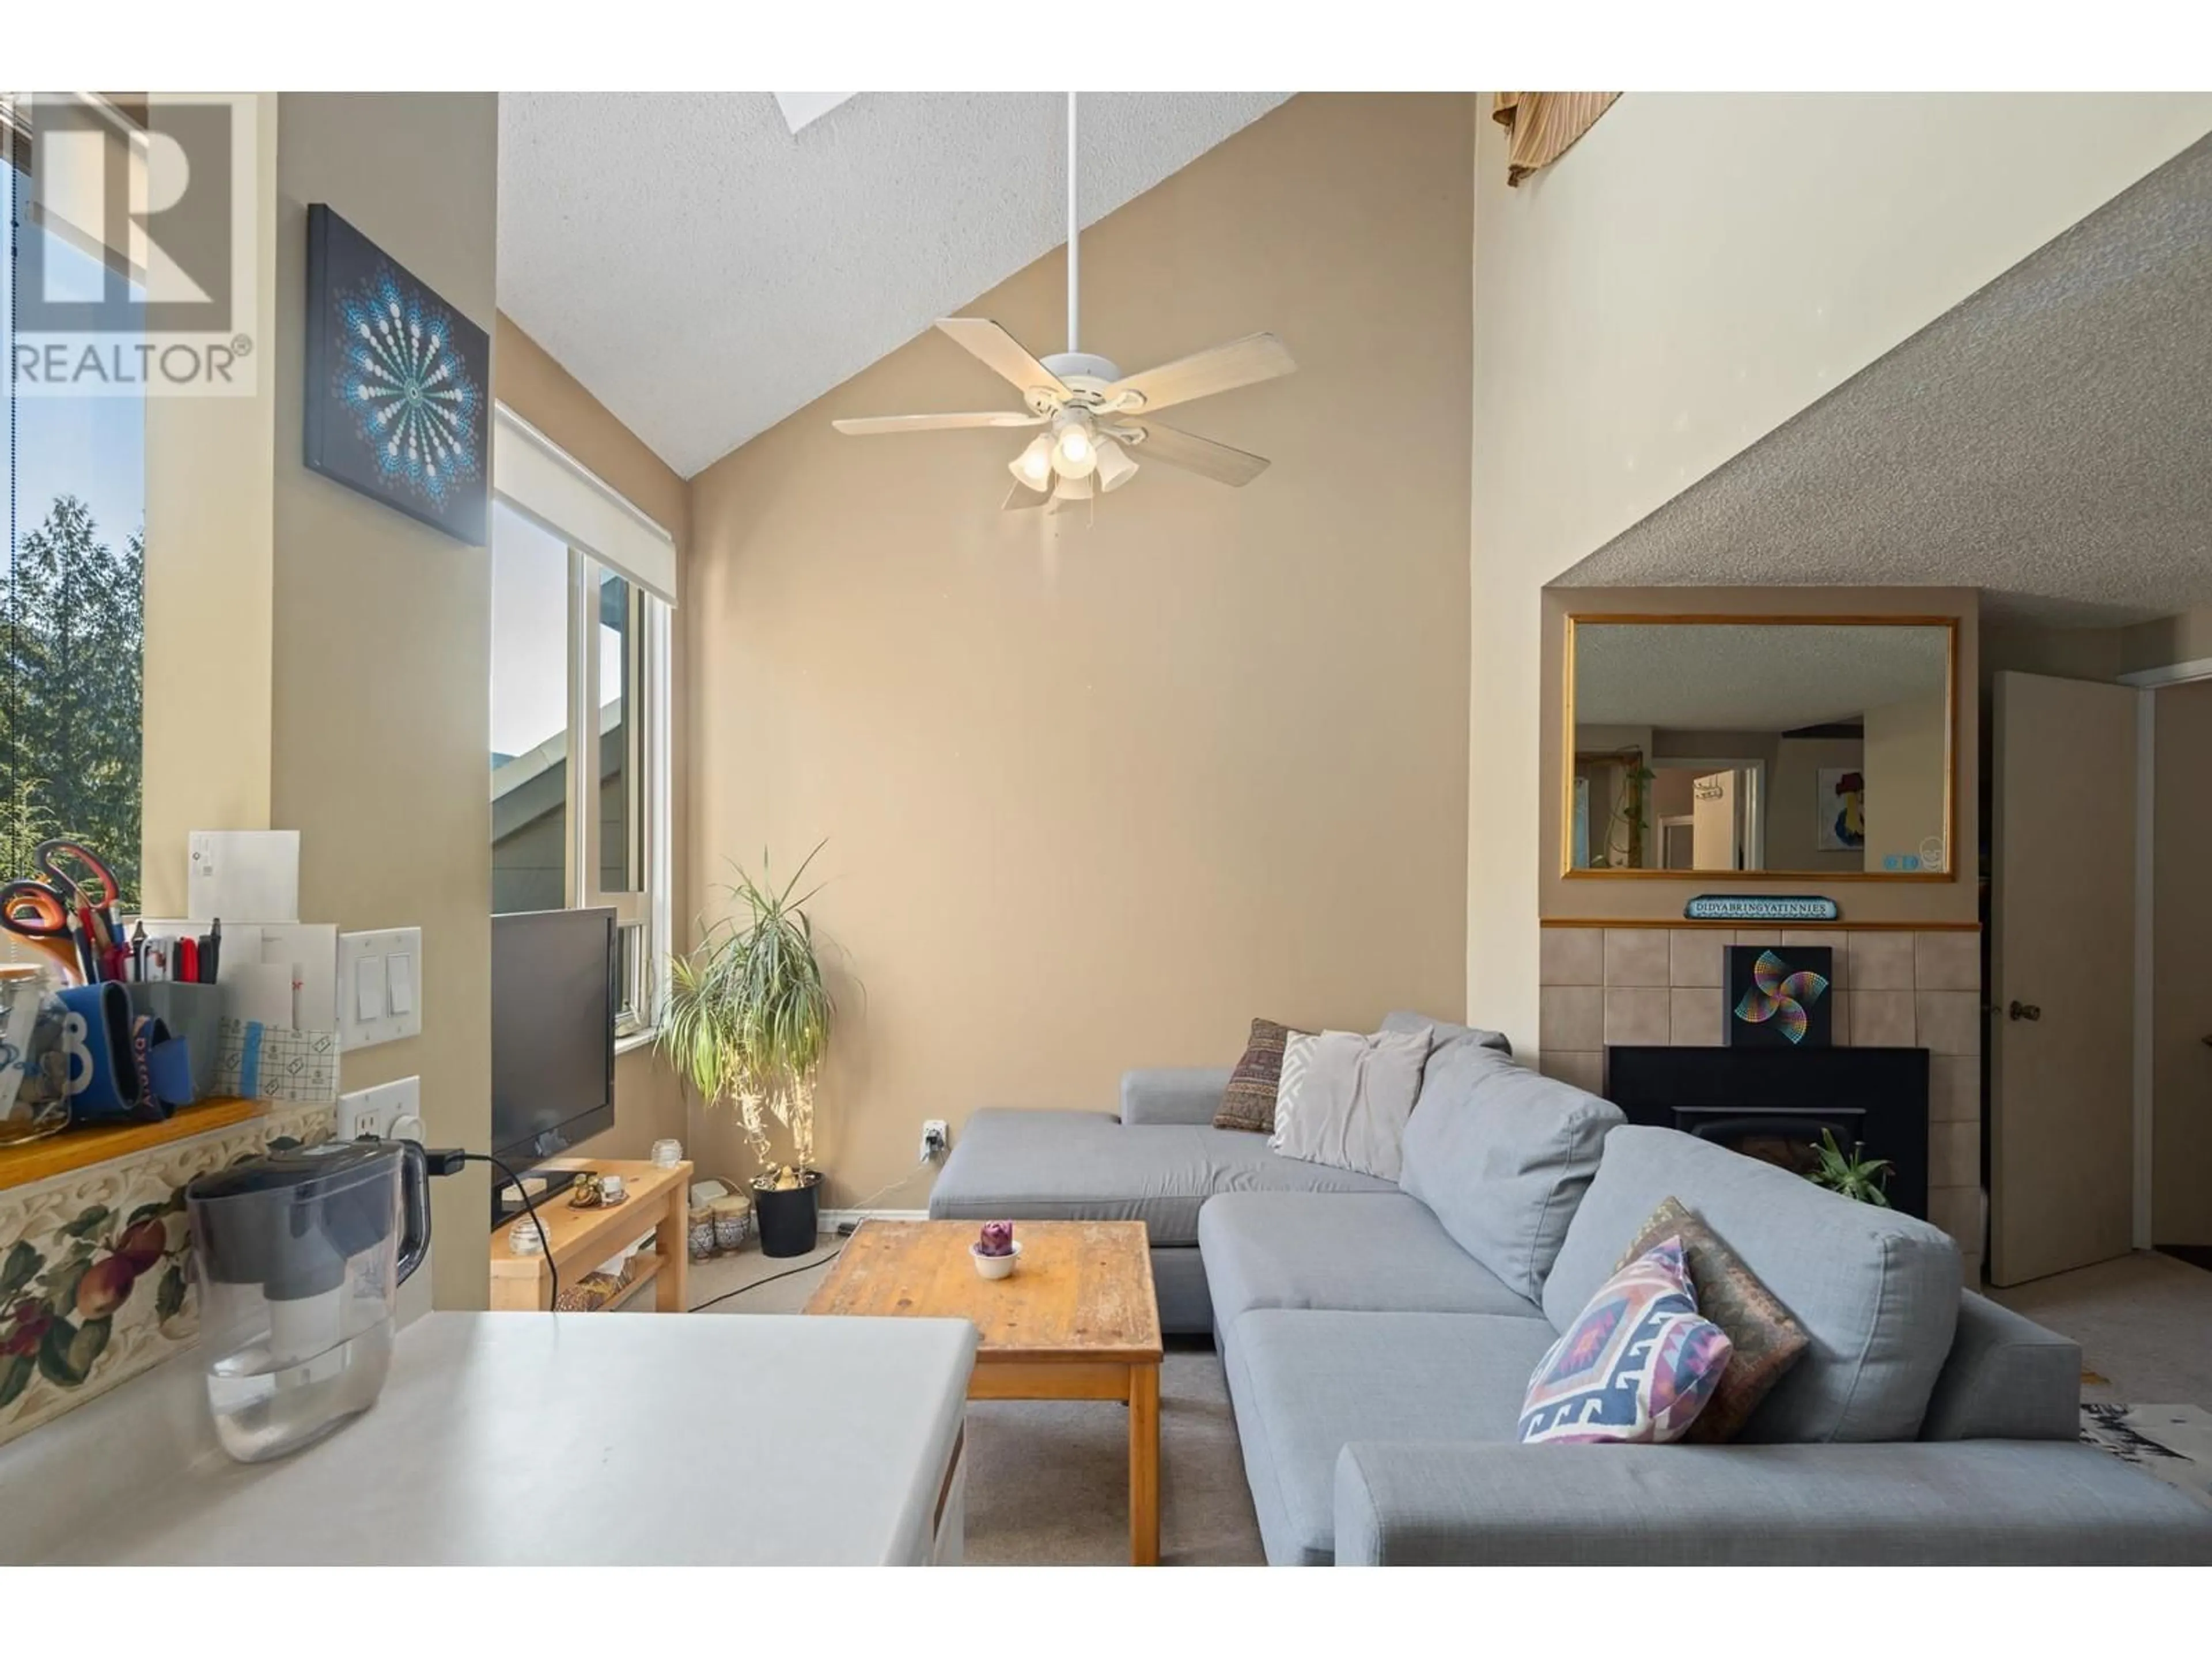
(1345, 1098)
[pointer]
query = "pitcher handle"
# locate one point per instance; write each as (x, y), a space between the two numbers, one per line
(415, 1197)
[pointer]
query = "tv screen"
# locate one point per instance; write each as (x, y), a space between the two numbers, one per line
(553, 1002)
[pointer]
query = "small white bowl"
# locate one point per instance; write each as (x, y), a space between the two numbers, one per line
(994, 1267)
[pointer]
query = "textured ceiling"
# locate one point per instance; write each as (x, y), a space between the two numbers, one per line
(2049, 440)
(705, 271)
(1745, 677)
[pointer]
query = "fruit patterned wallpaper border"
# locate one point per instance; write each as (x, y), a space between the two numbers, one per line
(95, 1283)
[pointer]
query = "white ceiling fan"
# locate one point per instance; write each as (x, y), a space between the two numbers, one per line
(1093, 415)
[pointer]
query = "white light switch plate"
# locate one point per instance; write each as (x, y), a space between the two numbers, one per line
(388, 1111)
(379, 982)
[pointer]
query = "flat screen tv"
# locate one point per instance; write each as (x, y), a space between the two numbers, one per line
(553, 1003)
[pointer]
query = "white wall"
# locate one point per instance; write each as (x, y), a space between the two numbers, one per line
(1692, 273)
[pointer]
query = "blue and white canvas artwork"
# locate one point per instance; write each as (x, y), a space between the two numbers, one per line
(399, 394)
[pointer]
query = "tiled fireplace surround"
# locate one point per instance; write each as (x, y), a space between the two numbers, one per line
(1902, 988)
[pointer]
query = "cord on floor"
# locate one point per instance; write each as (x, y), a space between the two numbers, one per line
(808, 1266)
(804, 1267)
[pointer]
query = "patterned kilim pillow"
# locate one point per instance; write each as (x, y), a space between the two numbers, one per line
(1638, 1364)
(1248, 1103)
(1765, 1340)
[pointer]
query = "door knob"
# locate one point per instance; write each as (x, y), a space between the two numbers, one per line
(2019, 1010)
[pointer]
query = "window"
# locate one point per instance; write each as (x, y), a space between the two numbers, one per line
(72, 615)
(581, 626)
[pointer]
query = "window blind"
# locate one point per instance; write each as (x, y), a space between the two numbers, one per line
(565, 498)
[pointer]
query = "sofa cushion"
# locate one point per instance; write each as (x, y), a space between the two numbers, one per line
(1345, 1098)
(1306, 1383)
(1763, 1340)
(1354, 1251)
(1502, 1155)
(1876, 1291)
(1086, 1166)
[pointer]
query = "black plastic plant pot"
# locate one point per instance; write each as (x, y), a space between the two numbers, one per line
(789, 1217)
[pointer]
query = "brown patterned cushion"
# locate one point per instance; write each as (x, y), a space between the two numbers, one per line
(1248, 1101)
(1766, 1339)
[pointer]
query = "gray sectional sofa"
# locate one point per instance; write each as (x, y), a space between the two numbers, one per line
(1378, 1338)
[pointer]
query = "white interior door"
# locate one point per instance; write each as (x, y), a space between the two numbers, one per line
(2062, 954)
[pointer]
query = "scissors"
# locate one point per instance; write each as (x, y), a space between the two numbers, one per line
(42, 912)
(37, 913)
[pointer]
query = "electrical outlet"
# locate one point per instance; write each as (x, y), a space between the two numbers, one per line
(390, 1111)
(936, 1138)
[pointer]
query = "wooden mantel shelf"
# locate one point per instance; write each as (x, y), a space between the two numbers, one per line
(76, 1149)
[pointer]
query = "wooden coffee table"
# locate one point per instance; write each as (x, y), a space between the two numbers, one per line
(1077, 1320)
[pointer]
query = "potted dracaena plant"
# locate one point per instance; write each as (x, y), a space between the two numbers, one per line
(747, 1025)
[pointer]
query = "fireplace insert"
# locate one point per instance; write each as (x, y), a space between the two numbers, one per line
(1772, 1104)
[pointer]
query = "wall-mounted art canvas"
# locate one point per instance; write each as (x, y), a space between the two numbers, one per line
(1841, 810)
(398, 403)
(1778, 996)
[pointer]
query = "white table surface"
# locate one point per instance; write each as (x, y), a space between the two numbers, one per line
(519, 1438)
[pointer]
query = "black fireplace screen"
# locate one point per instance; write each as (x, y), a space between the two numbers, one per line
(1772, 1104)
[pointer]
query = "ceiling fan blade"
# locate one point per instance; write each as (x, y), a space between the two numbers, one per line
(1209, 459)
(1241, 363)
(1002, 354)
(865, 425)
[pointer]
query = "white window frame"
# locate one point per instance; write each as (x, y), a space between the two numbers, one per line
(546, 486)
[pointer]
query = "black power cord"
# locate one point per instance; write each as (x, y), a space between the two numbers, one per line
(446, 1160)
(809, 1266)
(803, 1267)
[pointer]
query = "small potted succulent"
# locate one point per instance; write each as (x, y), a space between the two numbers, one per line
(996, 1251)
(1851, 1174)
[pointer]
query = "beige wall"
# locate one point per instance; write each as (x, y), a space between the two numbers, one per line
(210, 548)
(1630, 898)
(1693, 272)
(382, 675)
(1904, 776)
(648, 1102)
(1097, 797)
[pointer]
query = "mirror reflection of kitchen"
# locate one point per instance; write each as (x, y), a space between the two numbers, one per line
(1818, 748)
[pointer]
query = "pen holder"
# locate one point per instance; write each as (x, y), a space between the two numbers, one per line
(193, 1014)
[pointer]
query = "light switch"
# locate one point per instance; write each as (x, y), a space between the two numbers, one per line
(379, 987)
(369, 987)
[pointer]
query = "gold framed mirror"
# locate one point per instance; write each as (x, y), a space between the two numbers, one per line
(1805, 748)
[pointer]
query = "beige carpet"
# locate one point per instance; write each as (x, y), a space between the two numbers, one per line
(1048, 1481)
(2144, 1322)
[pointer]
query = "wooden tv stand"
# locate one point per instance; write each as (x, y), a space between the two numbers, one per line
(659, 1199)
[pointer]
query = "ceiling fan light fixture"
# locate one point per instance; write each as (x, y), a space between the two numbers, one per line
(1074, 445)
(1032, 468)
(1115, 466)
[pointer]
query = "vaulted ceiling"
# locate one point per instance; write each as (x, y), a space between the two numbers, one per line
(2049, 440)
(705, 270)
